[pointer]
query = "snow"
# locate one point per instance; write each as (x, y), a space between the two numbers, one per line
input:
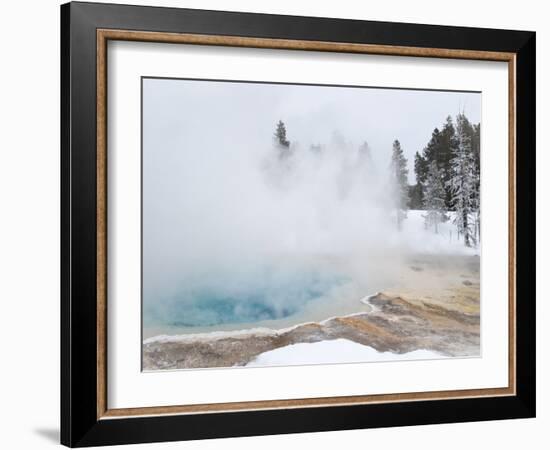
(332, 352)
(416, 238)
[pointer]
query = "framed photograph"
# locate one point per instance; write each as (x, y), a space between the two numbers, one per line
(278, 224)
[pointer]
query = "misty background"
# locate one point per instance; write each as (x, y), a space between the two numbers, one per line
(312, 114)
(231, 234)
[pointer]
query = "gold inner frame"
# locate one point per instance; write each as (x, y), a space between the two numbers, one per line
(104, 35)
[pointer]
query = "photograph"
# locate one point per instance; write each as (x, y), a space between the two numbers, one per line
(281, 221)
(293, 224)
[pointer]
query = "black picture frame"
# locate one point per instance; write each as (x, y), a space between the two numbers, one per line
(80, 425)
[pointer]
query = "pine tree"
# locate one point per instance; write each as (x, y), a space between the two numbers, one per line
(431, 152)
(416, 196)
(416, 192)
(447, 148)
(476, 207)
(462, 182)
(420, 168)
(281, 142)
(476, 147)
(476, 135)
(434, 198)
(400, 185)
(440, 149)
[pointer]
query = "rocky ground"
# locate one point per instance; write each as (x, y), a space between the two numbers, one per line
(443, 318)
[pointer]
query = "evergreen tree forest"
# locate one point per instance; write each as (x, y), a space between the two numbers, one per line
(447, 175)
(448, 178)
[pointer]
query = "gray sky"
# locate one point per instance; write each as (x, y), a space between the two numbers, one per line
(196, 112)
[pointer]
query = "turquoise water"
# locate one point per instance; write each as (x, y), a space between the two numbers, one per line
(230, 301)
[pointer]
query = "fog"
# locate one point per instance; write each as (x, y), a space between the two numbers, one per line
(229, 223)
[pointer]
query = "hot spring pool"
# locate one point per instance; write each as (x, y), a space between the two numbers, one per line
(263, 300)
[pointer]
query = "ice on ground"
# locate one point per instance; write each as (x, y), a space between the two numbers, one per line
(331, 352)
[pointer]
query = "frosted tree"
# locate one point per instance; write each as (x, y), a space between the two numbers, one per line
(476, 147)
(440, 148)
(448, 143)
(416, 191)
(476, 204)
(399, 182)
(462, 182)
(281, 142)
(434, 197)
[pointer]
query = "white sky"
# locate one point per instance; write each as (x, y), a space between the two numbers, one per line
(199, 111)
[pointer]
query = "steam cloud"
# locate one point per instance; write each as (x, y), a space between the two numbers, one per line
(232, 232)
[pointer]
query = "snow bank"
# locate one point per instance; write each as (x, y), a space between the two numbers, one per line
(416, 238)
(331, 352)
